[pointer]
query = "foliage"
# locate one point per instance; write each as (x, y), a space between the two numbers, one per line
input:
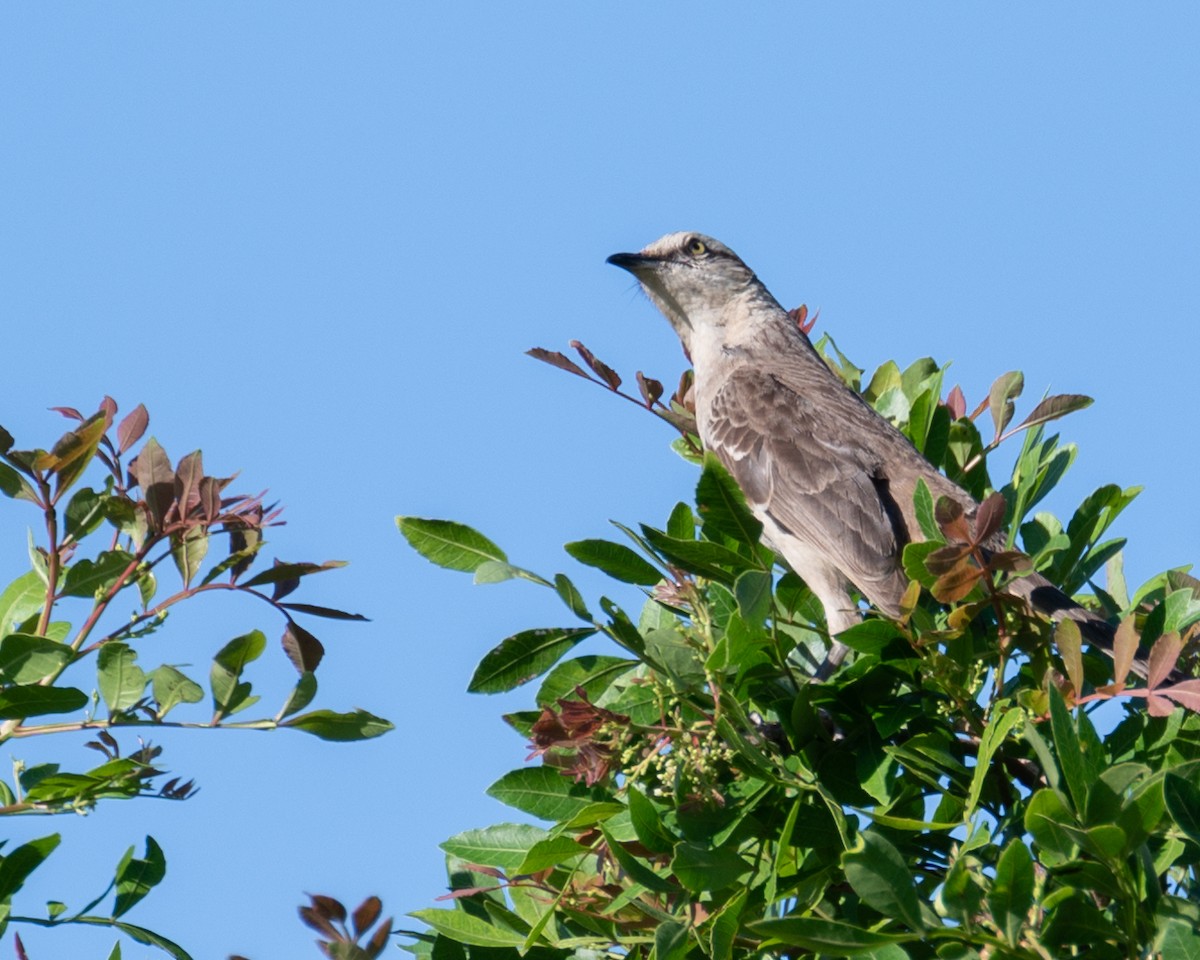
(104, 549)
(947, 793)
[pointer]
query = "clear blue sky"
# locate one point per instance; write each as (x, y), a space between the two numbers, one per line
(315, 240)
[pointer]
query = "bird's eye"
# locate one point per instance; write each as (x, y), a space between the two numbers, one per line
(696, 247)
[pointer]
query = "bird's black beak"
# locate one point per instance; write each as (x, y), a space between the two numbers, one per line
(633, 262)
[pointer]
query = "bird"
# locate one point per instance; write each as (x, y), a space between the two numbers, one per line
(830, 480)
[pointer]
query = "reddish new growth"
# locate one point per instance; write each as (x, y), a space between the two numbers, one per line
(581, 738)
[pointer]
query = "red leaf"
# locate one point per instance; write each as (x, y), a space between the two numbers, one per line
(131, 429)
(1186, 692)
(956, 403)
(365, 915)
(556, 359)
(950, 517)
(1163, 657)
(379, 939)
(152, 472)
(188, 474)
(328, 907)
(944, 559)
(1159, 706)
(651, 390)
(1125, 645)
(990, 516)
(69, 412)
(303, 649)
(956, 584)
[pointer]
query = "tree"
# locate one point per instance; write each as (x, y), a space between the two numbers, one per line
(948, 793)
(103, 548)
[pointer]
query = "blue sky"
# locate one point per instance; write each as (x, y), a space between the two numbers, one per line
(316, 240)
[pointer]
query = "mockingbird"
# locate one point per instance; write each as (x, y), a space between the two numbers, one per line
(830, 479)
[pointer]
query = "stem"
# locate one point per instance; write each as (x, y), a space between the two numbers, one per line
(53, 560)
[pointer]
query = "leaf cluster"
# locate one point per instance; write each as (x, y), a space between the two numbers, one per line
(947, 793)
(92, 595)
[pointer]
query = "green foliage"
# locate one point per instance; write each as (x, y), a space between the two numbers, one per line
(947, 793)
(102, 553)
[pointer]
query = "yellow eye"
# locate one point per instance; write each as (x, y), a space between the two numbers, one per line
(696, 247)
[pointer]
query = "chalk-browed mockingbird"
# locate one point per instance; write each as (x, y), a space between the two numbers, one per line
(830, 479)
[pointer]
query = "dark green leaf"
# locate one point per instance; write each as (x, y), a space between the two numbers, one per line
(880, 876)
(291, 571)
(139, 934)
(722, 506)
(301, 696)
(449, 544)
(570, 595)
(827, 936)
(1011, 895)
(594, 674)
(701, 868)
(671, 940)
(87, 578)
(523, 656)
(341, 727)
(136, 877)
(75, 450)
(328, 612)
(682, 523)
(647, 823)
(84, 513)
(19, 864)
(1066, 745)
(616, 560)
(19, 703)
(700, 557)
(1182, 798)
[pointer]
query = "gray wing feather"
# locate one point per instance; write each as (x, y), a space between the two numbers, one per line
(827, 492)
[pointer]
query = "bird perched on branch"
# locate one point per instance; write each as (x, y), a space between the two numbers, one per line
(831, 481)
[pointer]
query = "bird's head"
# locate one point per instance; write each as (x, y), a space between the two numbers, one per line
(692, 279)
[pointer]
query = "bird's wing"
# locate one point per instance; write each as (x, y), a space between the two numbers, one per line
(793, 466)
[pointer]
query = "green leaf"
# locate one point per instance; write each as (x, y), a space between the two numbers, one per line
(20, 703)
(595, 674)
(504, 845)
(870, 636)
(21, 599)
(340, 727)
(139, 934)
(170, 688)
(701, 868)
(465, 928)
(301, 696)
(722, 506)
(121, 681)
(28, 658)
(753, 592)
(523, 656)
(923, 507)
(681, 524)
(1066, 745)
(229, 694)
(87, 578)
(878, 874)
(188, 550)
(74, 451)
(1004, 718)
(1007, 387)
(1011, 895)
(26, 858)
(449, 544)
(700, 557)
(724, 925)
(84, 513)
(636, 868)
(549, 853)
(1183, 803)
(542, 792)
(647, 823)
(671, 940)
(616, 560)
(827, 936)
(136, 877)
(570, 595)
